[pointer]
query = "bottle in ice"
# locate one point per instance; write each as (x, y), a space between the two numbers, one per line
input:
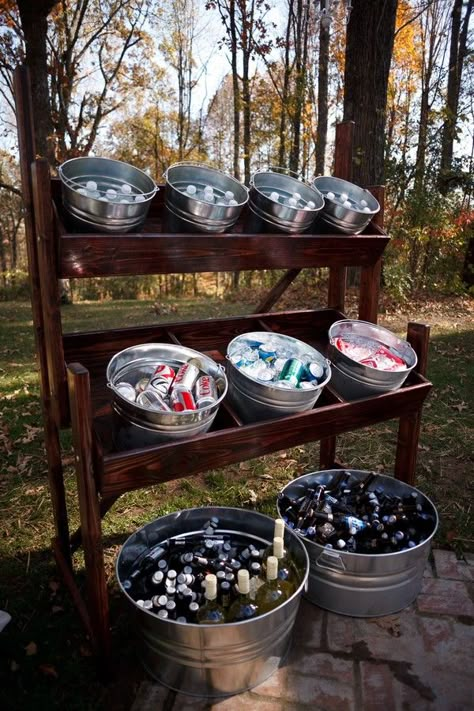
(243, 608)
(286, 570)
(211, 612)
(275, 591)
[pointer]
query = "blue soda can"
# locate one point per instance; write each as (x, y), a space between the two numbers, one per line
(314, 371)
(267, 352)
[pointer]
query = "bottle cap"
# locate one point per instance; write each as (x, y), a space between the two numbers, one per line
(279, 528)
(272, 567)
(211, 587)
(243, 581)
(278, 549)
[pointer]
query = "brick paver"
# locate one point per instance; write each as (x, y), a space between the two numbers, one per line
(420, 658)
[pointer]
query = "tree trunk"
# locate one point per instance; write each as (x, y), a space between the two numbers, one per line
(323, 83)
(369, 46)
(235, 87)
(457, 55)
(34, 23)
(285, 90)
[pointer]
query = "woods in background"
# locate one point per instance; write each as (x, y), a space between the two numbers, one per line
(245, 84)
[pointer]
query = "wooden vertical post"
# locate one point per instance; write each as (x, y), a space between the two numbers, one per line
(369, 289)
(89, 509)
(410, 424)
(26, 142)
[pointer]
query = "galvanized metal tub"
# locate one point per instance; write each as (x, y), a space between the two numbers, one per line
(137, 426)
(374, 377)
(255, 400)
(359, 584)
(213, 660)
(95, 214)
(353, 389)
(195, 214)
(280, 216)
(351, 219)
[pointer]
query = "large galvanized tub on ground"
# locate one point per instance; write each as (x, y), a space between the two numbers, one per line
(137, 426)
(255, 400)
(360, 584)
(213, 660)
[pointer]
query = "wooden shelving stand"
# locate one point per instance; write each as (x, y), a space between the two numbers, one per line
(72, 365)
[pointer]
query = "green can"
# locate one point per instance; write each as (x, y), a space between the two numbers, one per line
(292, 372)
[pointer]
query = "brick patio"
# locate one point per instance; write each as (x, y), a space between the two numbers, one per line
(421, 658)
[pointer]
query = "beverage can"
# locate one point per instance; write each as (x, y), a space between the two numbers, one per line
(186, 377)
(152, 400)
(292, 371)
(181, 400)
(162, 378)
(205, 391)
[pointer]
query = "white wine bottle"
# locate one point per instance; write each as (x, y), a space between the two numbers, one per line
(243, 608)
(275, 591)
(210, 612)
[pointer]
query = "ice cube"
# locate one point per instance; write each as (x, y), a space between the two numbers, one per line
(191, 190)
(343, 197)
(208, 190)
(125, 189)
(229, 195)
(91, 185)
(139, 198)
(274, 196)
(111, 193)
(124, 202)
(93, 194)
(310, 204)
(82, 191)
(292, 202)
(346, 203)
(366, 209)
(233, 203)
(297, 196)
(330, 195)
(363, 203)
(103, 199)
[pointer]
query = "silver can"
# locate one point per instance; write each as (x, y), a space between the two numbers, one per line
(152, 399)
(206, 391)
(186, 377)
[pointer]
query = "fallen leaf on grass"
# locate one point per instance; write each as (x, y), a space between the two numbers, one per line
(31, 434)
(31, 649)
(391, 623)
(245, 466)
(265, 476)
(459, 406)
(48, 670)
(252, 497)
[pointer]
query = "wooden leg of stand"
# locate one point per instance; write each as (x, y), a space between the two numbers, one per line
(96, 585)
(70, 583)
(407, 447)
(327, 453)
(418, 335)
(105, 505)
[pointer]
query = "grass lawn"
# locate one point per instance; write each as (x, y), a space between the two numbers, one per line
(44, 655)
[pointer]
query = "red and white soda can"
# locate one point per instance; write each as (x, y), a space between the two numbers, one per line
(162, 378)
(205, 391)
(186, 377)
(181, 400)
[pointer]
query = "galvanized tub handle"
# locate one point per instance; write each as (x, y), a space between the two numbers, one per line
(331, 559)
(198, 164)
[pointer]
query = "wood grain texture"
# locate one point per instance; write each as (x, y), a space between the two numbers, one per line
(418, 335)
(124, 255)
(50, 295)
(89, 510)
(138, 468)
(50, 410)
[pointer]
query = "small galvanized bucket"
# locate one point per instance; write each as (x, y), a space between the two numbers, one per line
(360, 584)
(213, 660)
(255, 400)
(91, 209)
(271, 193)
(137, 426)
(350, 214)
(366, 374)
(193, 212)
